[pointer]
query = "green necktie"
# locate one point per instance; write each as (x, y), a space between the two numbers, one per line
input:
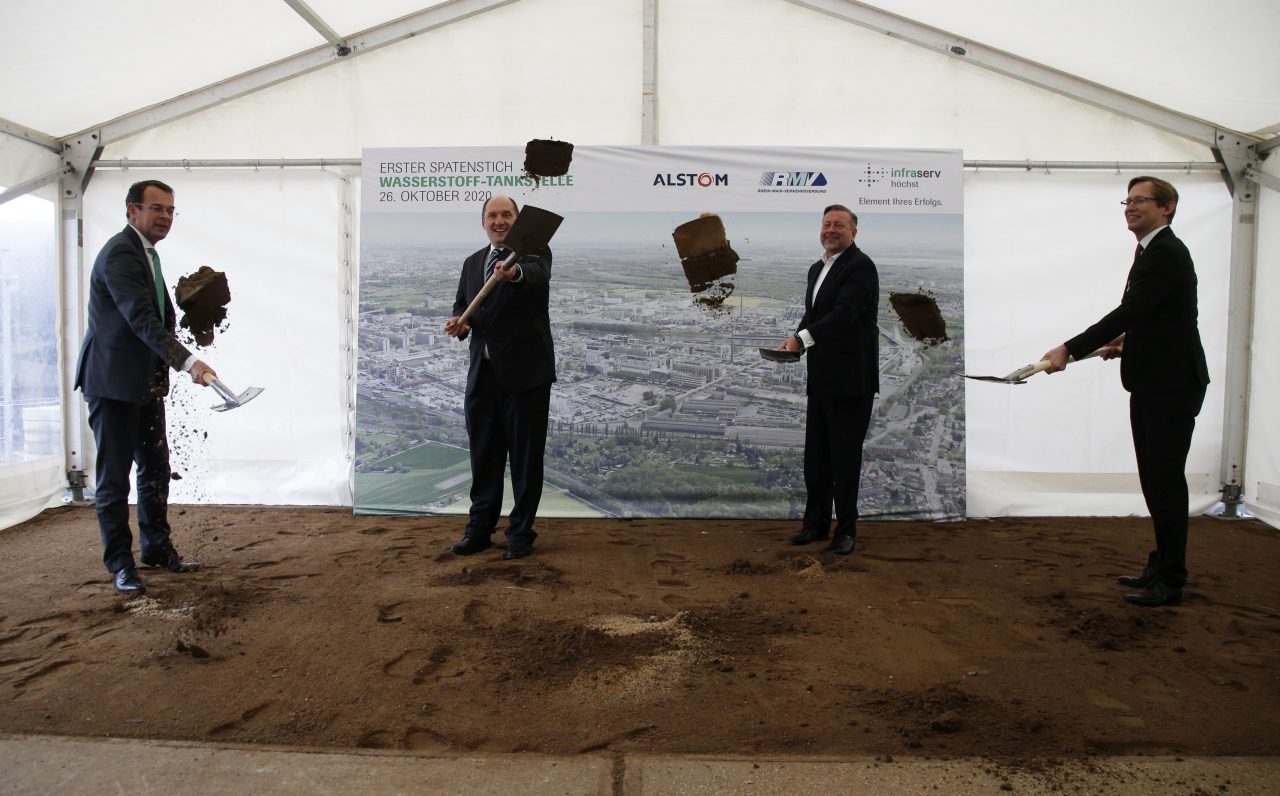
(159, 276)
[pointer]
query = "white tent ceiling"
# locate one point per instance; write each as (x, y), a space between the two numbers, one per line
(1089, 82)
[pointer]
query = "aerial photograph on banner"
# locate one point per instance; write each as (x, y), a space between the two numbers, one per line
(664, 405)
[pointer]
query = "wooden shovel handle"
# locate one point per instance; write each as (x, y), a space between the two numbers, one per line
(486, 288)
(1031, 370)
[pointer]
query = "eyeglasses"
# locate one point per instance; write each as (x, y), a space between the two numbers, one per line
(1137, 200)
(158, 209)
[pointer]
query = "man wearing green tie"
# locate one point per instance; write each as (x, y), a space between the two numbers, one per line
(129, 345)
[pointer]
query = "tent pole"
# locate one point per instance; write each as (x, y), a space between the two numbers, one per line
(78, 157)
(1238, 157)
(649, 87)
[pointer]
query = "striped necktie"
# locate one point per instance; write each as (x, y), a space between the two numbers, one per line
(159, 280)
(494, 257)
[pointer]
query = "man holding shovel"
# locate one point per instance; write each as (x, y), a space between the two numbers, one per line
(839, 336)
(123, 371)
(508, 395)
(1163, 367)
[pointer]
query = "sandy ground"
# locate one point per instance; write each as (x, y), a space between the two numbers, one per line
(1006, 639)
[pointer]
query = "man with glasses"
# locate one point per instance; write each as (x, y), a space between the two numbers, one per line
(129, 345)
(1162, 365)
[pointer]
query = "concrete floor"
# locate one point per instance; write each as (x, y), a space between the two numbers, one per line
(48, 765)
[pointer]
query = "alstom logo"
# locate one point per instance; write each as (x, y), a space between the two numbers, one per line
(792, 179)
(691, 180)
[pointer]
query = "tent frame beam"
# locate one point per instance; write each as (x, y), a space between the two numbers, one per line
(317, 22)
(30, 136)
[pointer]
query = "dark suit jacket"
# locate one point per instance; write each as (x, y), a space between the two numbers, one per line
(512, 321)
(1157, 315)
(127, 349)
(845, 357)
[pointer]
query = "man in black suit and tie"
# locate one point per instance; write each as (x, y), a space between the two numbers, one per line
(1162, 365)
(129, 345)
(839, 336)
(508, 396)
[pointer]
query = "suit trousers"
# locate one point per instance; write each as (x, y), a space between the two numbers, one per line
(1162, 424)
(502, 424)
(127, 434)
(835, 428)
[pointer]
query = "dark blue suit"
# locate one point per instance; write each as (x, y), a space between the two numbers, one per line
(844, 376)
(508, 394)
(123, 373)
(1163, 367)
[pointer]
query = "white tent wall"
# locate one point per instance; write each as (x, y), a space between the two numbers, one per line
(32, 460)
(1261, 482)
(281, 238)
(1046, 255)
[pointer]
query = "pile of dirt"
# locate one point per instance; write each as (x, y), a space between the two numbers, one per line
(203, 298)
(547, 158)
(920, 316)
(315, 628)
(707, 259)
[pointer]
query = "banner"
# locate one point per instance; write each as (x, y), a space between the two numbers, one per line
(663, 405)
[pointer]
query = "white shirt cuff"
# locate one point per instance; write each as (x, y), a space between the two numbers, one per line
(805, 338)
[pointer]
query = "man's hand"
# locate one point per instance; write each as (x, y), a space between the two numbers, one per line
(455, 329)
(198, 371)
(792, 343)
(506, 274)
(1114, 349)
(1057, 359)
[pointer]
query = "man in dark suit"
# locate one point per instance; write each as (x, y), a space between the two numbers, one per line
(1162, 365)
(508, 394)
(128, 347)
(839, 336)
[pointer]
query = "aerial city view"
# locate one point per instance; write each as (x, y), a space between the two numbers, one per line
(663, 407)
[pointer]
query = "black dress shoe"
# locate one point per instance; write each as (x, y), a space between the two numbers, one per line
(1156, 595)
(472, 542)
(1136, 582)
(807, 536)
(840, 545)
(517, 550)
(170, 560)
(128, 582)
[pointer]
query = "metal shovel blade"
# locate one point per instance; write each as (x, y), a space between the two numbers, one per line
(229, 398)
(774, 355)
(996, 379)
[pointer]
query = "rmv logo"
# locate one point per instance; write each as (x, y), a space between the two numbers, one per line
(792, 179)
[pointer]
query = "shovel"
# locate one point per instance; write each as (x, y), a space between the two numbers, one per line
(531, 231)
(1021, 375)
(230, 399)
